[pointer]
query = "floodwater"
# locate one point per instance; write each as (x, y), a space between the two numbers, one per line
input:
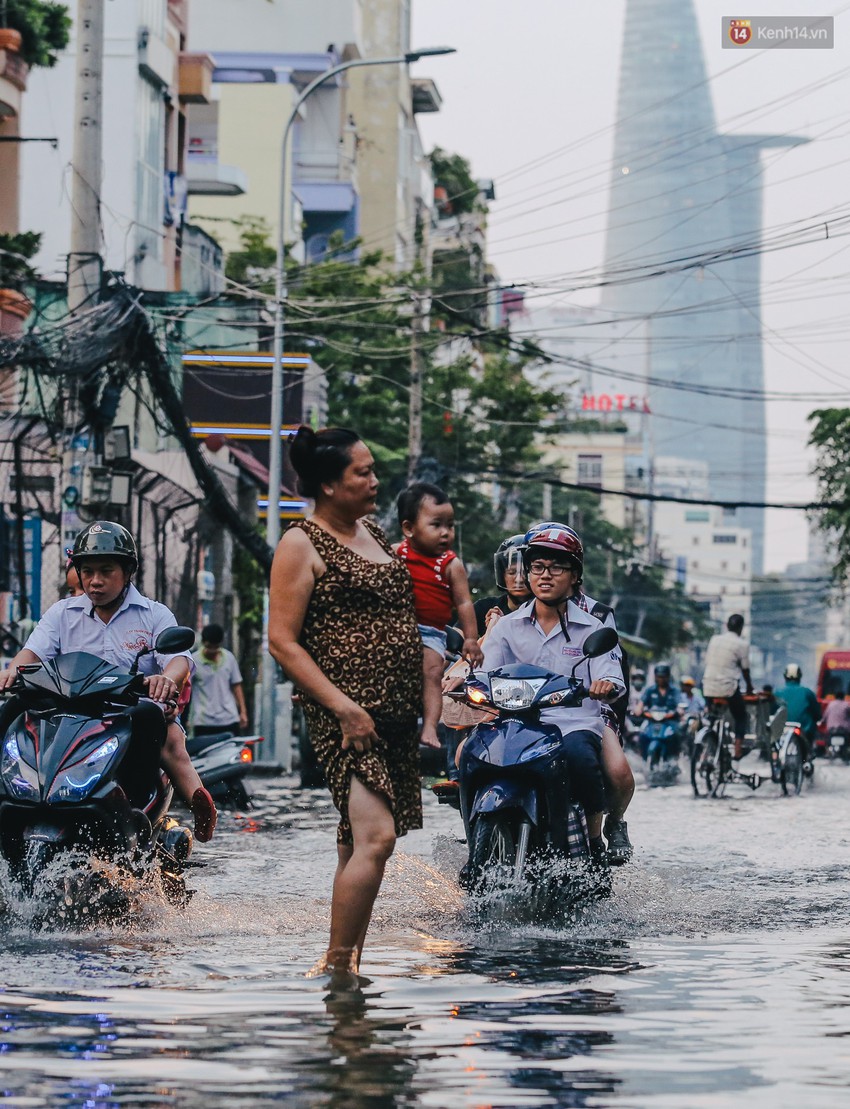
(718, 974)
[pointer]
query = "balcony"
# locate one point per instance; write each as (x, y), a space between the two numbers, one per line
(425, 95)
(207, 177)
(194, 79)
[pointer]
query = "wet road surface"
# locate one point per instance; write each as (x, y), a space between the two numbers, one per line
(718, 974)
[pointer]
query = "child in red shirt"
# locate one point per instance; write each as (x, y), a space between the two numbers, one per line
(440, 585)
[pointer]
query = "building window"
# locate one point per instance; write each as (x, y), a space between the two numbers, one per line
(724, 566)
(696, 540)
(589, 469)
(150, 171)
(725, 538)
(696, 516)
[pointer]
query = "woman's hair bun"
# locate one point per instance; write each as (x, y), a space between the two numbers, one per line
(302, 449)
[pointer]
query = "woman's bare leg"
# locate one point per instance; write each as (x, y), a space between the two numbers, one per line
(360, 869)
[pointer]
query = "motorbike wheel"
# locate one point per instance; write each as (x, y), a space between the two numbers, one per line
(791, 775)
(705, 764)
(493, 849)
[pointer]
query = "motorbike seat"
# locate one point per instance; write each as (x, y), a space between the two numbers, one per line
(199, 743)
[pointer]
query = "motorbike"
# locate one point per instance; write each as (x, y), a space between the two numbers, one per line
(523, 834)
(659, 745)
(838, 744)
(222, 761)
(84, 804)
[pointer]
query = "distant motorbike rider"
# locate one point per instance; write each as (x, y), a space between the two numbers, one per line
(113, 621)
(549, 631)
(727, 658)
(802, 704)
(510, 580)
(660, 697)
(636, 688)
(692, 702)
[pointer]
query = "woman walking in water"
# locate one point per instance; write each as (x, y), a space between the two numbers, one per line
(343, 627)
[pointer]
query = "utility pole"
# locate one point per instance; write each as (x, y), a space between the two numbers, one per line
(84, 260)
(414, 438)
(417, 326)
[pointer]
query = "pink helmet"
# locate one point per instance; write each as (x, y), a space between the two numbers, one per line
(553, 538)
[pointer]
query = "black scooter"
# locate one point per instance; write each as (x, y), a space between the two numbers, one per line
(83, 806)
(514, 788)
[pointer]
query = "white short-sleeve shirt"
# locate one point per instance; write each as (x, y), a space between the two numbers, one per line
(518, 637)
(72, 625)
(726, 656)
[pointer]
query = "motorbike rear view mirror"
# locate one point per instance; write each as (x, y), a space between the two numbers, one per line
(169, 642)
(174, 640)
(454, 641)
(600, 642)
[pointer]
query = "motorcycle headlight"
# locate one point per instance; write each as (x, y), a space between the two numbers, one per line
(20, 778)
(515, 693)
(77, 782)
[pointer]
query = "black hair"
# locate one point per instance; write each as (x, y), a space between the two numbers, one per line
(410, 499)
(735, 623)
(320, 457)
(213, 634)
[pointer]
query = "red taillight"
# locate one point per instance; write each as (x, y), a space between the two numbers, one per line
(797, 731)
(246, 754)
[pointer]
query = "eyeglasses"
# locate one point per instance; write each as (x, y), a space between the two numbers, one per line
(538, 569)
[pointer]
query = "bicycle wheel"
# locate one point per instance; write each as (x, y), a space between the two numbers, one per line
(704, 763)
(791, 775)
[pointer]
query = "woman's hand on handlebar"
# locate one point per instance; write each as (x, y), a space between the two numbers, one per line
(358, 728)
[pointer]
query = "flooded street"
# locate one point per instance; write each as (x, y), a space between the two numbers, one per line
(716, 974)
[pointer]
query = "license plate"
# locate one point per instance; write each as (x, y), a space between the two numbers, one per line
(836, 741)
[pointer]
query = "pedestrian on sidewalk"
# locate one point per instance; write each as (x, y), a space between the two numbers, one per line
(218, 700)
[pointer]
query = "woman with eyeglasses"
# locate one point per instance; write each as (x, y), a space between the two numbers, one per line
(549, 631)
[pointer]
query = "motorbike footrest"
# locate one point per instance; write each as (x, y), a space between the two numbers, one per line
(447, 793)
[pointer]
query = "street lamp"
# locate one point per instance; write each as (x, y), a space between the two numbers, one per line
(276, 418)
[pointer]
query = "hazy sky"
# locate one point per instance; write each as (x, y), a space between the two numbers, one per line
(530, 100)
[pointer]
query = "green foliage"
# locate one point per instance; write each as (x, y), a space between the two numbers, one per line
(830, 436)
(256, 260)
(45, 28)
(15, 254)
(453, 173)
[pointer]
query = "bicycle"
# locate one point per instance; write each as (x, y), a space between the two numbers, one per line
(779, 743)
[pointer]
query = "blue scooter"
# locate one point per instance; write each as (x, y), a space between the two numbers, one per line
(514, 784)
(660, 744)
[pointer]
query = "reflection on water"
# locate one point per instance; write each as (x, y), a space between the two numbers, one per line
(716, 972)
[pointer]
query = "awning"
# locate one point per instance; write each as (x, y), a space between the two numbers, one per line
(325, 196)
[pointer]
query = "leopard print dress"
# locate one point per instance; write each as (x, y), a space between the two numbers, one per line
(360, 629)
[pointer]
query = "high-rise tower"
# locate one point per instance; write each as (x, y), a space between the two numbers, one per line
(681, 191)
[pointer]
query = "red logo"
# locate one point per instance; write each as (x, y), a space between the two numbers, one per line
(740, 31)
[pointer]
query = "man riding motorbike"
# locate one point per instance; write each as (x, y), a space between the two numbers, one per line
(549, 631)
(802, 704)
(113, 621)
(661, 697)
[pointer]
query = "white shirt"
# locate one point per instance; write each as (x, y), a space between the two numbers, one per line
(72, 625)
(213, 702)
(518, 637)
(727, 655)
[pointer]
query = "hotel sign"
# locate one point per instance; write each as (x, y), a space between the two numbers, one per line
(614, 402)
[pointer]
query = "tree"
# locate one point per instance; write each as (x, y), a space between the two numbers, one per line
(44, 27)
(452, 173)
(831, 438)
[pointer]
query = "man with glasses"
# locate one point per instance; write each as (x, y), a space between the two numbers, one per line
(549, 631)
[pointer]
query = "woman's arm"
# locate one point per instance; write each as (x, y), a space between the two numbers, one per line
(295, 569)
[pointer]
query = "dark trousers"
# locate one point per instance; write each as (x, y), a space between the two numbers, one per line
(583, 751)
(737, 708)
(216, 729)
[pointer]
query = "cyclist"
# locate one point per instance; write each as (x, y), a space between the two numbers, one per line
(727, 658)
(802, 704)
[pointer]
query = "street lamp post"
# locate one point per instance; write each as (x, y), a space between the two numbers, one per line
(276, 417)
